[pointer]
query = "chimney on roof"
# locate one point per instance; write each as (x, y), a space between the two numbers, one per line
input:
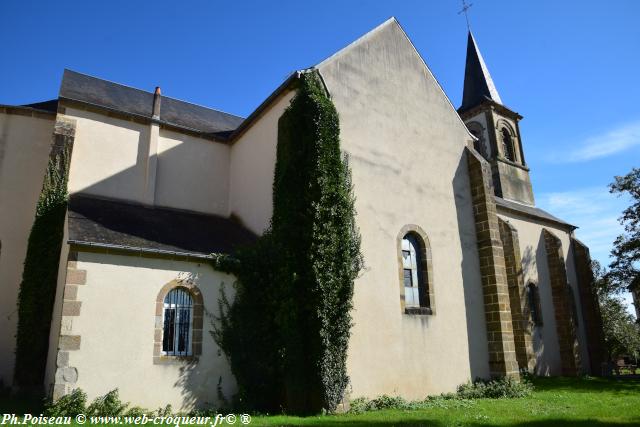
(156, 104)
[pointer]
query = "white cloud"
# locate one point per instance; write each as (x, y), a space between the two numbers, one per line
(607, 144)
(594, 210)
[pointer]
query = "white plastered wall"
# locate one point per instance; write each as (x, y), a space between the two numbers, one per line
(406, 146)
(535, 269)
(24, 152)
(253, 161)
(106, 161)
(120, 159)
(193, 173)
(116, 325)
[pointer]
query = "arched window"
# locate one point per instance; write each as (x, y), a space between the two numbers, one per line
(477, 130)
(533, 298)
(177, 323)
(507, 145)
(478, 144)
(574, 305)
(414, 256)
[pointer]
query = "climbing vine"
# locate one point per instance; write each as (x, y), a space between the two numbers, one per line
(286, 333)
(39, 277)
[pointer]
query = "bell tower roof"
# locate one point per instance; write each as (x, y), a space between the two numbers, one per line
(478, 84)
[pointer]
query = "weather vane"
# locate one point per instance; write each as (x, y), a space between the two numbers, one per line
(465, 8)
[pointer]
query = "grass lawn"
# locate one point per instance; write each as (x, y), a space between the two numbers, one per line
(556, 402)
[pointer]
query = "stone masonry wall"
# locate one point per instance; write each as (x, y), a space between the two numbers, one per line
(66, 376)
(562, 305)
(518, 297)
(590, 308)
(502, 354)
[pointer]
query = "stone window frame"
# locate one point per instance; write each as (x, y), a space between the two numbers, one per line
(426, 270)
(196, 323)
(505, 125)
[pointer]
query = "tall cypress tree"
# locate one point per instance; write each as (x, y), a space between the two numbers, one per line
(309, 260)
(313, 220)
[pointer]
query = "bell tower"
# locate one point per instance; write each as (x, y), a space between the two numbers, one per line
(496, 127)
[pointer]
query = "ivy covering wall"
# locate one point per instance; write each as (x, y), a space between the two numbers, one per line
(39, 277)
(287, 330)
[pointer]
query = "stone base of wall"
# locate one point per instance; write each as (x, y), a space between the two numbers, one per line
(66, 376)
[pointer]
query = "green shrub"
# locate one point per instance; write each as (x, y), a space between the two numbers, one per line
(448, 401)
(107, 405)
(167, 411)
(495, 389)
(69, 405)
(136, 411)
(388, 402)
(480, 389)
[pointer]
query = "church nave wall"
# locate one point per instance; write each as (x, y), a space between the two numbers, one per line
(112, 330)
(407, 154)
(536, 270)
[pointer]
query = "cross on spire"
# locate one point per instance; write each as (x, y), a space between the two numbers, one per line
(465, 8)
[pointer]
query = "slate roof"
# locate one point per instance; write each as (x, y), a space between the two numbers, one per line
(478, 84)
(102, 93)
(118, 224)
(530, 211)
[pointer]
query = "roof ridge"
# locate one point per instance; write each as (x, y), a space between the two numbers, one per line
(105, 80)
(150, 93)
(201, 106)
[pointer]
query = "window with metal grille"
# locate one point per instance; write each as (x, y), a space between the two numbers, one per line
(178, 315)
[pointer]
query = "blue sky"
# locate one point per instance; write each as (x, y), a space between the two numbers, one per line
(569, 67)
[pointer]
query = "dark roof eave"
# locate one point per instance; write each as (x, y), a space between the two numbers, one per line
(528, 213)
(489, 102)
(222, 137)
(139, 250)
(26, 109)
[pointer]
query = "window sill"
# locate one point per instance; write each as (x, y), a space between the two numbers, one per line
(174, 360)
(512, 163)
(418, 311)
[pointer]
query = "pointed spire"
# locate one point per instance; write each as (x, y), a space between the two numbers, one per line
(478, 85)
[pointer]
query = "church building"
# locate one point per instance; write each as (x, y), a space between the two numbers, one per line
(464, 276)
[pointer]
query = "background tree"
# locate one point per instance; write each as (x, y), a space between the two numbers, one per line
(621, 332)
(625, 269)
